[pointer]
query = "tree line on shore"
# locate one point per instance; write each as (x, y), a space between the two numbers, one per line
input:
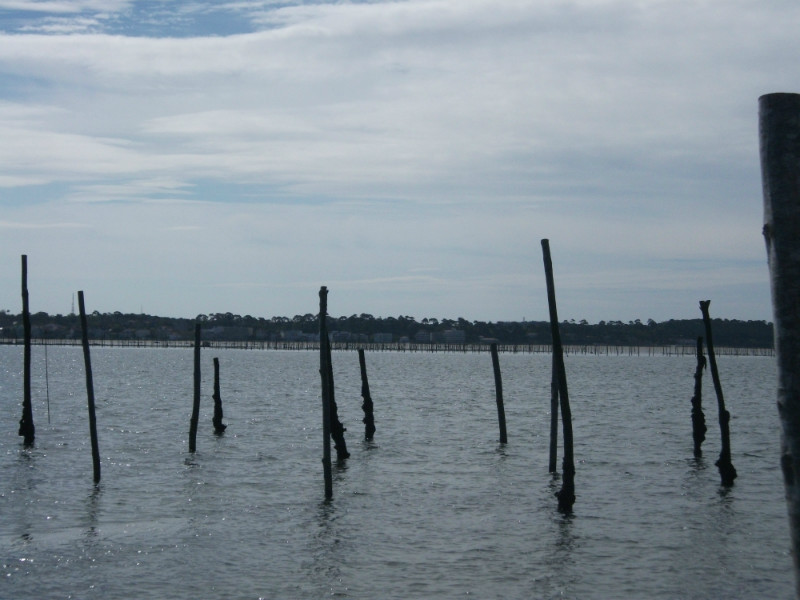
(367, 328)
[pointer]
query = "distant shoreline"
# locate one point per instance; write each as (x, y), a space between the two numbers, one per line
(574, 349)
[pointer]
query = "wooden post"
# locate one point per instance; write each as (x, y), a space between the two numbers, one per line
(498, 386)
(779, 133)
(87, 361)
(566, 495)
(698, 418)
(337, 428)
(219, 426)
(553, 416)
(26, 427)
(326, 396)
(366, 406)
(726, 470)
(196, 403)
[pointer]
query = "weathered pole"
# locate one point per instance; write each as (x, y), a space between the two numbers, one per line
(219, 426)
(337, 428)
(196, 403)
(552, 467)
(698, 418)
(566, 495)
(726, 470)
(326, 396)
(779, 135)
(87, 361)
(26, 427)
(366, 406)
(498, 386)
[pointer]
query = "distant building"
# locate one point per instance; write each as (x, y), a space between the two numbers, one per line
(455, 336)
(423, 337)
(382, 338)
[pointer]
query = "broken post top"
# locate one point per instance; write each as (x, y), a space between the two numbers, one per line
(323, 300)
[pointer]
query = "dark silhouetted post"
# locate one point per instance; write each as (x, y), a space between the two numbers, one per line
(26, 427)
(87, 361)
(726, 470)
(326, 396)
(698, 418)
(196, 403)
(553, 416)
(337, 428)
(498, 386)
(566, 495)
(219, 426)
(779, 133)
(366, 406)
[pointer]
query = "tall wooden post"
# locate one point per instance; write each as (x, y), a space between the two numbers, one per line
(196, 403)
(498, 387)
(87, 361)
(566, 495)
(726, 471)
(326, 396)
(26, 427)
(366, 406)
(698, 418)
(219, 426)
(779, 134)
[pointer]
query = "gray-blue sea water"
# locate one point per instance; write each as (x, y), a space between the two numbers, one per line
(434, 507)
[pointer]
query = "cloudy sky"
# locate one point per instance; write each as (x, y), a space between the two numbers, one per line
(181, 158)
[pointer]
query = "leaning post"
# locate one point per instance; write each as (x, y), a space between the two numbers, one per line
(698, 417)
(779, 138)
(566, 495)
(367, 405)
(726, 470)
(87, 361)
(219, 426)
(498, 387)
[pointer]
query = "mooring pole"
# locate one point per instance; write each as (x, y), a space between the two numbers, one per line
(219, 426)
(726, 470)
(366, 406)
(698, 418)
(26, 427)
(498, 387)
(337, 427)
(779, 135)
(87, 361)
(196, 403)
(566, 496)
(326, 397)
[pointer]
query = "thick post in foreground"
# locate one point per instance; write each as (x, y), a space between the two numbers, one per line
(698, 418)
(726, 470)
(566, 496)
(498, 386)
(87, 361)
(366, 406)
(196, 400)
(26, 427)
(326, 396)
(779, 135)
(219, 426)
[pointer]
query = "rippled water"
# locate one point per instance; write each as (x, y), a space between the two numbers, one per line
(434, 507)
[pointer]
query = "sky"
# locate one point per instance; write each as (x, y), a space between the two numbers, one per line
(185, 158)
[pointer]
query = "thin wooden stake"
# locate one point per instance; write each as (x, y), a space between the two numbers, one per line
(366, 406)
(779, 133)
(47, 382)
(726, 470)
(698, 418)
(566, 495)
(498, 386)
(326, 396)
(87, 361)
(196, 403)
(219, 426)
(26, 427)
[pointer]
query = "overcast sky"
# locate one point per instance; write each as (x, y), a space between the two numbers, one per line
(180, 158)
